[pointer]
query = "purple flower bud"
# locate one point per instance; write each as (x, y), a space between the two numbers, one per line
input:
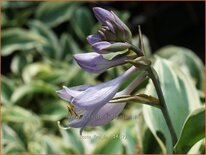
(93, 39)
(96, 63)
(102, 15)
(88, 100)
(115, 25)
(105, 47)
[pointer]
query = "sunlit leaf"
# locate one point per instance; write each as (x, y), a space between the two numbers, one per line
(187, 61)
(18, 39)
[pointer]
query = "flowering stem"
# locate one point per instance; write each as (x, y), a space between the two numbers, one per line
(163, 105)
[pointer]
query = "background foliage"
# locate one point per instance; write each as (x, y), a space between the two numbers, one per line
(39, 39)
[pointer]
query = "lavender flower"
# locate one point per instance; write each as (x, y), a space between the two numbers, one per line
(110, 110)
(95, 63)
(88, 100)
(112, 24)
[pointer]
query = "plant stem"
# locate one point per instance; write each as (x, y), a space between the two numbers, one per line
(163, 104)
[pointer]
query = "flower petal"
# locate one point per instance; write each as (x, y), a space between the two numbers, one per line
(92, 62)
(93, 39)
(100, 94)
(97, 95)
(102, 15)
(67, 94)
(101, 45)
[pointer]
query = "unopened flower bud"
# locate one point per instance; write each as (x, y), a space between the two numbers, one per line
(114, 24)
(105, 47)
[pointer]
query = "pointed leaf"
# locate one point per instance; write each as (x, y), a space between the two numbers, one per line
(187, 61)
(192, 131)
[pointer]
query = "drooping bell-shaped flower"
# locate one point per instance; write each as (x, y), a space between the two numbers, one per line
(110, 110)
(88, 100)
(95, 63)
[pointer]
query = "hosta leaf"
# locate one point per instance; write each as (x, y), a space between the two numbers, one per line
(181, 98)
(187, 61)
(53, 110)
(17, 114)
(128, 138)
(110, 144)
(53, 14)
(18, 39)
(10, 141)
(82, 23)
(18, 63)
(69, 47)
(51, 48)
(72, 138)
(192, 131)
(36, 71)
(32, 89)
(19, 4)
(6, 90)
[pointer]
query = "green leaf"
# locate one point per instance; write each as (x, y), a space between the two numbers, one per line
(53, 110)
(192, 131)
(32, 89)
(10, 141)
(187, 61)
(51, 48)
(109, 143)
(36, 71)
(71, 138)
(82, 23)
(17, 114)
(18, 63)
(69, 47)
(4, 19)
(53, 14)
(6, 90)
(18, 39)
(181, 98)
(20, 4)
(128, 138)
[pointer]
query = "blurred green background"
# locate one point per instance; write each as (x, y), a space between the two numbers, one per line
(38, 41)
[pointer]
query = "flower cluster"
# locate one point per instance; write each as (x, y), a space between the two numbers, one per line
(89, 105)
